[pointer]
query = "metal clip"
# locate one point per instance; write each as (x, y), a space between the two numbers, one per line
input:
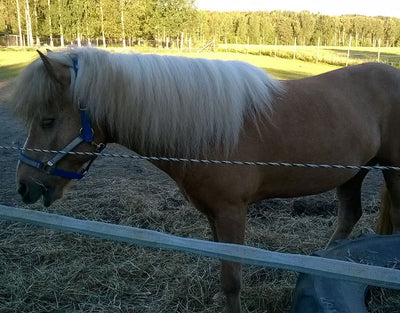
(81, 106)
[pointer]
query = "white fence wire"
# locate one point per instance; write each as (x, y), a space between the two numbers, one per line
(205, 161)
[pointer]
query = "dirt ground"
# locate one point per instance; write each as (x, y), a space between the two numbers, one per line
(46, 271)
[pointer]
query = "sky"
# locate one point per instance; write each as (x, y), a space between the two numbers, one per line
(330, 7)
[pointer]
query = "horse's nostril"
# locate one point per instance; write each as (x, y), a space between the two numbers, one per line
(30, 192)
(22, 189)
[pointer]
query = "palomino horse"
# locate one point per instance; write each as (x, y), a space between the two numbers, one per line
(173, 106)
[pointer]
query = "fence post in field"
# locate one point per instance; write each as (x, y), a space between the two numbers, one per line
(379, 50)
(348, 52)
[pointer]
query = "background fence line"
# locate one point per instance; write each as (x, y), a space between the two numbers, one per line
(360, 273)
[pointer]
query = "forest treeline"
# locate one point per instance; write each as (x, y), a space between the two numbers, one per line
(36, 21)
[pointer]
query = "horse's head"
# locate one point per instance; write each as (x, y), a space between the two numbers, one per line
(44, 97)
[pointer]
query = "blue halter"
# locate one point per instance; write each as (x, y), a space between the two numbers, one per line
(85, 135)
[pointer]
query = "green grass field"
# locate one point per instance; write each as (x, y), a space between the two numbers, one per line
(277, 67)
(324, 54)
(12, 61)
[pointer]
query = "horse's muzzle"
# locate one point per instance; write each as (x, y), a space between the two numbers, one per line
(30, 193)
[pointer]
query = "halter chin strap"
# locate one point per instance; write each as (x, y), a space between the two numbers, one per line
(85, 135)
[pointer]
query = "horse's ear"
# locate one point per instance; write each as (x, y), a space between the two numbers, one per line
(57, 71)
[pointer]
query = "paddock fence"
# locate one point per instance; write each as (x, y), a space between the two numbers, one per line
(335, 269)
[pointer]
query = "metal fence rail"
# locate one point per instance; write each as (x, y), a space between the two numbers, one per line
(360, 273)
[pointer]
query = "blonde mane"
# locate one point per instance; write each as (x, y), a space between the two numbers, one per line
(158, 104)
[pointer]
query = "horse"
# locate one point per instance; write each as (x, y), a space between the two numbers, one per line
(80, 99)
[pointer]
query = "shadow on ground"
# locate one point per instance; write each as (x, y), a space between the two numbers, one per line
(10, 71)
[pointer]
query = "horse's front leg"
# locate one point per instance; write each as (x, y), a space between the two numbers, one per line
(228, 226)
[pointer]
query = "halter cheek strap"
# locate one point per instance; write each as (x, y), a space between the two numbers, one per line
(85, 135)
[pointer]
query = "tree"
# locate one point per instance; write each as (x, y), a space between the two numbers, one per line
(36, 25)
(135, 13)
(29, 37)
(389, 29)
(377, 30)
(326, 28)
(162, 19)
(122, 9)
(171, 16)
(21, 43)
(60, 25)
(307, 24)
(397, 33)
(284, 29)
(102, 22)
(3, 19)
(253, 31)
(50, 25)
(226, 27)
(242, 28)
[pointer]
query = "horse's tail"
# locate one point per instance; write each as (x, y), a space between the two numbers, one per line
(384, 224)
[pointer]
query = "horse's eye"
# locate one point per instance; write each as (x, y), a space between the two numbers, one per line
(47, 123)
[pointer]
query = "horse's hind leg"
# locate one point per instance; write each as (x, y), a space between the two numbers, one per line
(349, 195)
(392, 179)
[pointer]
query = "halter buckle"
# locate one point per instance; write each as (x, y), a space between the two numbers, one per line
(48, 166)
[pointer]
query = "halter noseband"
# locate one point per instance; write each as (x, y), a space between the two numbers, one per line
(85, 135)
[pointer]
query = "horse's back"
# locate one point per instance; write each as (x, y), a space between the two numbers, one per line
(358, 106)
